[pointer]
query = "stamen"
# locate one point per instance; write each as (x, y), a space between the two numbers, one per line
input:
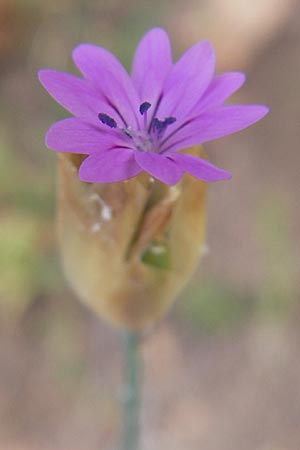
(170, 120)
(107, 120)
(127, 132)
(159, 126)
(144, 107)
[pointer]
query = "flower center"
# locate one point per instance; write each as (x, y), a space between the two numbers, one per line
(141, 139)
(147, 139)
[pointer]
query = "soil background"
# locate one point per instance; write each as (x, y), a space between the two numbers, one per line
(222, 370)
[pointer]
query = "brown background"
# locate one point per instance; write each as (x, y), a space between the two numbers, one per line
(222, 371)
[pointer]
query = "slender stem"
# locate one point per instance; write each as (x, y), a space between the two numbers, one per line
(131, 391)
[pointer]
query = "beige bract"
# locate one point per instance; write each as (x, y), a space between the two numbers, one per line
(128, 248)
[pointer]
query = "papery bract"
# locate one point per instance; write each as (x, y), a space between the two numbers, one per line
(129, 248)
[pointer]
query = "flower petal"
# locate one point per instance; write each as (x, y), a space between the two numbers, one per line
(200, 168)
(75, 136)
(110, 78)
(187, 81)
(220, 88)
(160, 167)
(214, 124)
(117, 164)
(151, 64)
(74, 94)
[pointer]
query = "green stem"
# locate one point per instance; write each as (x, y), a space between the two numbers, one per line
(131, 391)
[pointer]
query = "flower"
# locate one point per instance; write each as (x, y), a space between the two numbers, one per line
(127, 125)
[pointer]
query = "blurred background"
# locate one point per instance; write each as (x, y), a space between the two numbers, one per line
(222, 371)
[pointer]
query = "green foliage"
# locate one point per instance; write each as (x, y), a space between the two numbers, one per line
(277, 289)
(157, 255)
(211, 307)
(27, 262)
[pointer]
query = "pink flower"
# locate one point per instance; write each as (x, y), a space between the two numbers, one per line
(127, 125)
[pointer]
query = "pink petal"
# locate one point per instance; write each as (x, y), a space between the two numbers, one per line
(75, 136)
(220, 88)
(117, 164)
(151, 64)
(109, 77)
(200, 168)
(187, 81)
(160, 167)
(75, 95)
(214, 124)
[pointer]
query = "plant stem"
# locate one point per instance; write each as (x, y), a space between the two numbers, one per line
(131, 391)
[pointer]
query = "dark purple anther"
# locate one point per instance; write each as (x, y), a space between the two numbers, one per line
(157, 124)
(144, 107)
(169, 120)
(161, 125)
(107, 120)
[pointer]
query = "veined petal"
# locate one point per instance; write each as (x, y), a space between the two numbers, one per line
(151, 64)
(187, 81)
(110, 78)
(220, 88)
(199, 168)
(75, 95)
(117, 164)
(214, 124)
(72, 135)
(159, 166)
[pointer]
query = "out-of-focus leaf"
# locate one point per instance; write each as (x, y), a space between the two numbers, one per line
(211, 307)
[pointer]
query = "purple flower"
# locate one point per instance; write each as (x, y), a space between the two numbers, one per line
(140, 123)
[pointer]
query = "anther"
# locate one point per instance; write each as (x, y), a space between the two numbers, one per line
(144, 107)
(107, 120)
(169, 120)
(158, 124)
